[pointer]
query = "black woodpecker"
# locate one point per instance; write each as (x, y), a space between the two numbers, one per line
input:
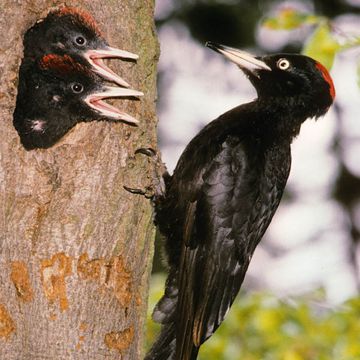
(73, 32)
(56, 93)
(224, 192)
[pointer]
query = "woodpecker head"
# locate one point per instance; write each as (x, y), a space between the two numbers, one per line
(57, 93)
(297, 81)
(74, 32)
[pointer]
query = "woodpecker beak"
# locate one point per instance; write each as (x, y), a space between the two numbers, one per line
(95, 59)
(95, 102)
(241, 58)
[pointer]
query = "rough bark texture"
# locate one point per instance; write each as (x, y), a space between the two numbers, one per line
(75, 248)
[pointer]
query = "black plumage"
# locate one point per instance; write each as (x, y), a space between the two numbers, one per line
(74, 32)
(224, 192)
(60, 78)
(56, 93)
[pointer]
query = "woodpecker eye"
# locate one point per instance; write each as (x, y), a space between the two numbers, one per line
(80, 40)
(283, 64)
(77, 88)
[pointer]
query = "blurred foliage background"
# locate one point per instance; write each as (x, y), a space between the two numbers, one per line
(314, 322)
(261, 326)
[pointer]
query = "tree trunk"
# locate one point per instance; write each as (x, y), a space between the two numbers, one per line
(75, 247)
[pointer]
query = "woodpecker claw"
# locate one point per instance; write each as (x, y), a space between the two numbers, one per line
(146, 151)
(147, 192)
(159, 175)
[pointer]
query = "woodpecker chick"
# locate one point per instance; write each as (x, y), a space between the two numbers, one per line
(56, 93)
(224, 192)
(73, 32)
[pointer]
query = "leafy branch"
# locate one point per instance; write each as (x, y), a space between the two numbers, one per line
(323, 44)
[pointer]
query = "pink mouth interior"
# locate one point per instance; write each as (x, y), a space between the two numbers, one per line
(100, 63)
(102, 105)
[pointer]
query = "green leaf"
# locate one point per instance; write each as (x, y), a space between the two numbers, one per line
(322, 46)
(288, 19)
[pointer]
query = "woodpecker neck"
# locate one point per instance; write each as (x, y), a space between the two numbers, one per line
(284, 118)
(300, 106)
(267, 120)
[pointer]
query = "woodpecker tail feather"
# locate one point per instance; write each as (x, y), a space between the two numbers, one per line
(164, 347)
(173, 328)
(165, 309)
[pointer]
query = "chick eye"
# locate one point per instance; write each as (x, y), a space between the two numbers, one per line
(283, 64)
(80, 40)
(77, 88)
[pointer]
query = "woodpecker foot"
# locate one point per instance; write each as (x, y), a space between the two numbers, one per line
(157, 186)
(160, 174)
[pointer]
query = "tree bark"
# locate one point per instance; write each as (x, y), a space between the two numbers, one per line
(75, 247)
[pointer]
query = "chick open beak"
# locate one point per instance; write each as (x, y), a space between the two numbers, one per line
(95, 101)
(95, 58)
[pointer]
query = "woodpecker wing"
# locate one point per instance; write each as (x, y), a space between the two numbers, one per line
(211, 270)
(221, 231)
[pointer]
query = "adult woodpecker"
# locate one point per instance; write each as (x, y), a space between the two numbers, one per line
(73, 32)
(224, 192)
(55, 94)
